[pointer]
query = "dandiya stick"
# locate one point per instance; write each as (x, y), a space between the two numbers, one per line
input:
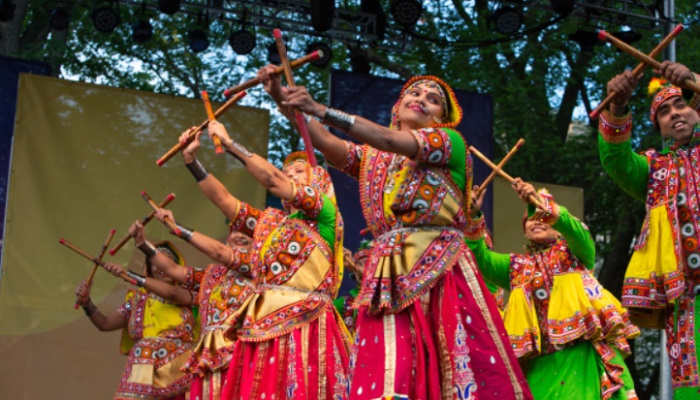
(168, 222)
(501, 164)
(301, 121)
(99, 257)
(316, 55)
(175, 149)
(602, 35)
(532, 198)
(210, 115)
(144, 221)
(91, 258)
(640, 67)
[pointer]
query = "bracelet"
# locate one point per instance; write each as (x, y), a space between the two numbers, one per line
(241, 148)
(139, 280)
(90, 309)
(338, 119)
(148, 249)
(185, 233)
(197, 170)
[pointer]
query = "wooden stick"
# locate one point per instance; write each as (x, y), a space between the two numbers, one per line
(168, 222)
(99, 257)
(316, 55)
(144, 221)
(501, 164)
(637, 71)
(175, 149)
(210, 115)
(532, 198)
(91, 258)
(301, 121)
(602, 35)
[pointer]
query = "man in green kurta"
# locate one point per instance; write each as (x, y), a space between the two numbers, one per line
(664, 272)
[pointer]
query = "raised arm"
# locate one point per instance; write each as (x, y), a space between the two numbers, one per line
(106, 323)
(160, 260)
(172, 293)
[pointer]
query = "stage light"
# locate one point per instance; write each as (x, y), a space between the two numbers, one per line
(327, 54)
(198, 40)
(169, 6)
(59, 19)
(507, 20)
(273, 56)
(407, 12)
(105, 16)
(7, 10)
(242, 41)
(374, 7)
(563, 7)
(322, 13)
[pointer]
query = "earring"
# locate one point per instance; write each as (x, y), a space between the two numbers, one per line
(438, 120)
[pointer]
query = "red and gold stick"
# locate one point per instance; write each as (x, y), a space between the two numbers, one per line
(316, 55)
(168, 222)
(640, 67)
(301, 121)
(534, 200)
(144, 221)
(175, 149)
(99, 257)
(91, 258)
(602, 35)
(501, 164)
(210, 115)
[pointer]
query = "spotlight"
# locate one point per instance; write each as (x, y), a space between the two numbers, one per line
(105, 16)
(242, 41)
(327, 54)
(7, 10)
(273, 56)
(59, 19)
(198, 40)
(507, 20)
(407, 12)
(142, 30)
(169, 6)
(322, 12)
(359, 62)
(563, 7)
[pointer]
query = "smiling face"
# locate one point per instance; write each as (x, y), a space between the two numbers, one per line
(676, 120)
(539, 232)
(239, 241)
(421, 106)
(297, 172)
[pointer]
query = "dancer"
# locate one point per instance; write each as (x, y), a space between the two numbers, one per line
(291, 343)
(557, 311)
(426, 327)
(157, 334)
(663, 272)
(354, 264)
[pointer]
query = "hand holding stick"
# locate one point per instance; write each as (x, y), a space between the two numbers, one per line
(301, 121)
(602, 35)
(210, 115)
(533, 199)
(637, 71)
(91, 258)
(501, 164)
(178, 147)
(88, 282)
(316, 55)
(144, 221)
(168, 222)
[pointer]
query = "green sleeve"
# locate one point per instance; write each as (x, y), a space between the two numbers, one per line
(577, 237)
(494, 266)
(626, 168)
(325, 220)
(457, 161)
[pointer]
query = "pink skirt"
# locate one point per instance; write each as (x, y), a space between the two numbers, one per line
(308, 363)
(448, 344)
(207, 386)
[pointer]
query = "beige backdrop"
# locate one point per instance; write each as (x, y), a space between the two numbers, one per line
(81, 156)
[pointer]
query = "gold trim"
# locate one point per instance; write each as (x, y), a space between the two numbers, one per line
(389, 353)
(322, 356)
(477, 294)
(304, 348)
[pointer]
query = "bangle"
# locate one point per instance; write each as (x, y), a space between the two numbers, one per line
(148, 249)
(185, 233)
(338, 119)
(197, 170)
(89, 308)
(139, 280)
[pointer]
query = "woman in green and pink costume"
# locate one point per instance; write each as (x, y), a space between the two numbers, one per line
(569, 333)
(427, 328)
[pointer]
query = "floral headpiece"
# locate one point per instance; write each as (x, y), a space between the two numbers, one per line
(452, 112)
